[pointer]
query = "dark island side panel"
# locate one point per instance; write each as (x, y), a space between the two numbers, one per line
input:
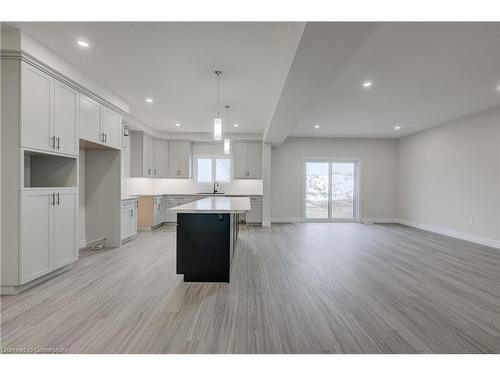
(203, 247)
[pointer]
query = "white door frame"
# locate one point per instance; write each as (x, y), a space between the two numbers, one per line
(357, 184)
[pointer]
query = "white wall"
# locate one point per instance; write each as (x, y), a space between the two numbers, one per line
(81, 235)
(377, 173)
(449, 176)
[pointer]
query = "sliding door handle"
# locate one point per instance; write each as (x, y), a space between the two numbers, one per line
(58, 139)
(52, 142)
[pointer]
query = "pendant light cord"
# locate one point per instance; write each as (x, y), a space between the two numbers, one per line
(218, 73)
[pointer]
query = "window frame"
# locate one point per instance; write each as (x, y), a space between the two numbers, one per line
(357, 184)
(214, 157)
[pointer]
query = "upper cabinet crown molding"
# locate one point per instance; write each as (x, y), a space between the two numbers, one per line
(26, 58)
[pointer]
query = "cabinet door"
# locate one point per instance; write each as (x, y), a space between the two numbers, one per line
(157, 211)
(254, 161)
(36, 108)
(255, 214)
(125, 223)
(36, 234)
(240, 159)
(90, 120)
(133, 220)
(111, 125)
(65, 228)
(147, 156)
(65, 119)
(184, 159)
(160, 158)
(173, 160)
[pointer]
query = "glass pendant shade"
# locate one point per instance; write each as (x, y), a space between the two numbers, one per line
(217, 129)
(227, 146)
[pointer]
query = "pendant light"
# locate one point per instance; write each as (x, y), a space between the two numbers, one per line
(218, 120)
(227, 142)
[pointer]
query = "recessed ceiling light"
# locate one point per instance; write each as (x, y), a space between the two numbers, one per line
(397, 127)
(235, 125)
(149, 100)
(83, 43)
(367, 84)
(316, 126)
(177, 124)
(498, 88)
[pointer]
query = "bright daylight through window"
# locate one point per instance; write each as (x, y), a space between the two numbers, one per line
(210, 169)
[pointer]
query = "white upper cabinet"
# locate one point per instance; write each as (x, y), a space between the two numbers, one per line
(49, 113)
(36, 109)
(111, 128)
(99, 124)
(179, 159)
(55, 116)
(90, 120)
(66, 119)
(160, 158)
(151, 157)
(254, 155)
(247, 157)
(141, 155)
(148, 156)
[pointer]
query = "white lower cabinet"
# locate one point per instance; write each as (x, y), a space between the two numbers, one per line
(65, 228)
(158, 219)
(48, 239)
(128, 219)
(255, 213)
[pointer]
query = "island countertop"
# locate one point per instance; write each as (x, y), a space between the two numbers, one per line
(215, 205)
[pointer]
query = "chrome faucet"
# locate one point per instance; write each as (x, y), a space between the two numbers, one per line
(216, 187)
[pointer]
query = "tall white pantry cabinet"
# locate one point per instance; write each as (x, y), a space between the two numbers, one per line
(41, 122)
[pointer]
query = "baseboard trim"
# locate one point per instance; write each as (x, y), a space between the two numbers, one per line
(15, 289)
(287, 220)
(379, 220)
(452, 233)
(266, 223)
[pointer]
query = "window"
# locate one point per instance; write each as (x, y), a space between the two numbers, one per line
(331, 190)
(213, 168)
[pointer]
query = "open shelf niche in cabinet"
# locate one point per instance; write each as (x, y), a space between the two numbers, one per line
(49, 171)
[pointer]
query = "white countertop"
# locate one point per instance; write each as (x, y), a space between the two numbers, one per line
(215, 205)
(129, 197)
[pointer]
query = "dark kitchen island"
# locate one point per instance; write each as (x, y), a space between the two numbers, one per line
(207, 233)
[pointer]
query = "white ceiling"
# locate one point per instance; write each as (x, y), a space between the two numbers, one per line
(283, 79)
(424, 74)
(174, 63)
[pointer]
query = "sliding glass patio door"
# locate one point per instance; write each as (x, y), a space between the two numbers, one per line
(331, 190)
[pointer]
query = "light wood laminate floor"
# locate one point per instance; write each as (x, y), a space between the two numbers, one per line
(296, 288)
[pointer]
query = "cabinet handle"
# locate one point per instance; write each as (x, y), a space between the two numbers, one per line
(58, 199)
(53, 196)
(155, 172)
(102, 137)
(52, 142)
(105, 138)
(149, 171)
(58, 139)
(131, 213)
